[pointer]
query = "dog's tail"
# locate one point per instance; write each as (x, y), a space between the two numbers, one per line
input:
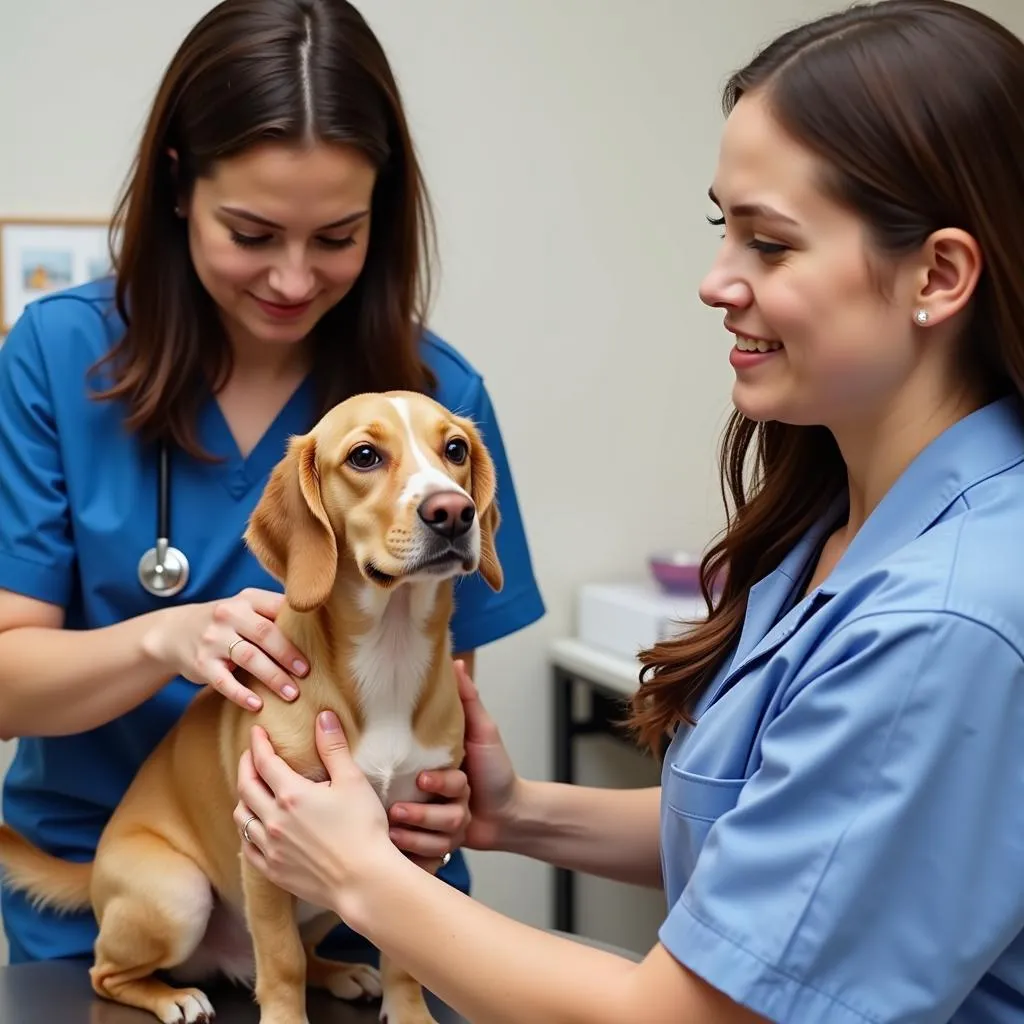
(47, 880)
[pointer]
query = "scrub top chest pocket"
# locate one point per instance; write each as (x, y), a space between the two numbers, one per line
(692, 804)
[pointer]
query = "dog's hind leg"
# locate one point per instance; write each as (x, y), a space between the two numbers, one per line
(153, 907)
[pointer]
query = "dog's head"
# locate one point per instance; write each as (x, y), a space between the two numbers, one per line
(393, 482)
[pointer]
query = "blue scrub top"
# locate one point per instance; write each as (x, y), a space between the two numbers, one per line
(78, 508)
(843, 828)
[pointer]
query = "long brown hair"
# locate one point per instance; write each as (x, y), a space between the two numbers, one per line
(916, 108)
(252, 71)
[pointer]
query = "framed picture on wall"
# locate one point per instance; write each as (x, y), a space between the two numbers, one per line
(40, 255)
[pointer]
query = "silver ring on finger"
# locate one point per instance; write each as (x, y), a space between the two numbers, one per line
(231, 646)
(245, 828)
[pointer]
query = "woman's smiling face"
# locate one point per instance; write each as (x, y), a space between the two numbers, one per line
(279, 234)
(817, 340)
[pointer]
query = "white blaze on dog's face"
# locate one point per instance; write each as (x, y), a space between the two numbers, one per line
(402, 484)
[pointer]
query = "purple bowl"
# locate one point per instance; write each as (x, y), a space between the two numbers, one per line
(676, 574)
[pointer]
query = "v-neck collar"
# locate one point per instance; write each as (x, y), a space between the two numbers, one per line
(982, 444)
(239, 473)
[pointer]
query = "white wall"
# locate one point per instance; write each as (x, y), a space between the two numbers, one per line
(569, 146)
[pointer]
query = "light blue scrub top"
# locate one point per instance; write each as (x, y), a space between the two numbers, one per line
(843, 829)
(78, 500)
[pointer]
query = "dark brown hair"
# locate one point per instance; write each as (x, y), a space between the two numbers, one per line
(252, 71)
(916, 108)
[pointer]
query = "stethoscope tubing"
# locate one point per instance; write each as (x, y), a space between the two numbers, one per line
(163, 497)
(163, 570)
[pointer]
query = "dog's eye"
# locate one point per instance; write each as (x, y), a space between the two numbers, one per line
(456, 451)
(364, 456)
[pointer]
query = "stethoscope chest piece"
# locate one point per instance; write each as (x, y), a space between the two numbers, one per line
(163, 569)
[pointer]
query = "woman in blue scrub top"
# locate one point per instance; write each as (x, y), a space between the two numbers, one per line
(274, 231)
(840, 825)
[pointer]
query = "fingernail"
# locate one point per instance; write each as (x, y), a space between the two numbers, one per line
(329, 722)
(289, 692)
(400, 813)
(254, 702)
(299, 667)
(426, 779)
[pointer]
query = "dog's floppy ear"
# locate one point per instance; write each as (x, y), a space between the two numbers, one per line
(483, 491)
(289, 532)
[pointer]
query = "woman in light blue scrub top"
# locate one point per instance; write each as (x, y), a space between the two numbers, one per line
(840, 826)
(269, 267)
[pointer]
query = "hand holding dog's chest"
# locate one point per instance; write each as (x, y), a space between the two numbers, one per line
(386, 688)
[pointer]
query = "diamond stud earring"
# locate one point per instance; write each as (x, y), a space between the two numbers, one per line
(921, 316)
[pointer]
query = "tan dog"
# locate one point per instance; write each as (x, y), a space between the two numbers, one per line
(367, 520)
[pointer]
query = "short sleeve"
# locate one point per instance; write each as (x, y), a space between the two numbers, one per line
(482, 616)
(36, 550)
(872, 868)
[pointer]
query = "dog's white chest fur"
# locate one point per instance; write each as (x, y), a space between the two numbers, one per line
(389, 663)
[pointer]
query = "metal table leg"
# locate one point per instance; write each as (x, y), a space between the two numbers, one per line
(564, 766)
(603, 717)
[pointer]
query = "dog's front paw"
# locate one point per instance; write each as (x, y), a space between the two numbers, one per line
(186, 1006)
(353, 981)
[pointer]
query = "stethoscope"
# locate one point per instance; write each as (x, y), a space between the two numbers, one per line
(163, 569)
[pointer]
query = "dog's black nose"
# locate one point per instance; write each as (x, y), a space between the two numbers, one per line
(448, 513)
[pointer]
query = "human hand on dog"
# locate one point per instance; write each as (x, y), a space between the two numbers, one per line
(318, 840)
(289, 846)
(427, 831)
(494, 786)
(204, 642)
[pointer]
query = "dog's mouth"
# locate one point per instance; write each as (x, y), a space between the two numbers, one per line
(436, 564)
(382, 579)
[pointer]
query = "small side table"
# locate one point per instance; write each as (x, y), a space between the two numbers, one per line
(589, 691)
